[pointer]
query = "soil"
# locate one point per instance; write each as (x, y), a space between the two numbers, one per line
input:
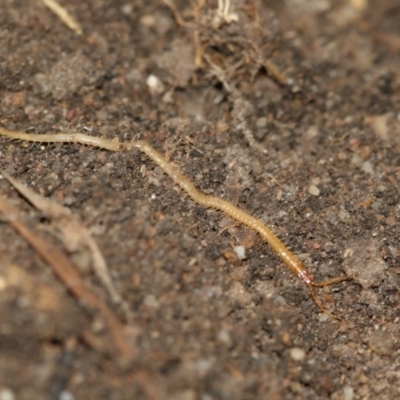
(291, 110)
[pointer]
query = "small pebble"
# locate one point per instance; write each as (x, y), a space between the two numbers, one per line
(151, 302)
(66, 395)
(313, 190)
(261, 122)
(224, 337)
(7, 394)
(297, 354)
(240, 252)
(348, 393)
(367, 167)
(154, 84)
(127, 9)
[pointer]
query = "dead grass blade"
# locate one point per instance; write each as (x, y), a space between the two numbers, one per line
(74, 235)
(64, 15)
(68, 274)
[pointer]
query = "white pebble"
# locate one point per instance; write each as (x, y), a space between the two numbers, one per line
(7, 394)
(348, 393)
(66, 395)
(154, 84)
(297, 354)
(240, 251)
(127, 9)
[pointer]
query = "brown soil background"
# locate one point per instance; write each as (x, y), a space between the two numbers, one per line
(207, 325)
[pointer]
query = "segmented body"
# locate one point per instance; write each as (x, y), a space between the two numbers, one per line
(288, 257)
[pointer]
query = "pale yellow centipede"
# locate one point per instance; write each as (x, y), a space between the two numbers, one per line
(291, 261)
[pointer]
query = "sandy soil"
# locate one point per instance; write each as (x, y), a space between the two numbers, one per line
(292, 112)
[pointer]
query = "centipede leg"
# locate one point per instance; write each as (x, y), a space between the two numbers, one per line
(319, 304)
(331, 281)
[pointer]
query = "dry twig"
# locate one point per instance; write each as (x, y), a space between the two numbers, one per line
(68, 274)
(64, 15)
(74, 235)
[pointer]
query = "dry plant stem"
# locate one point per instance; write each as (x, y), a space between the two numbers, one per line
(67, 273)
(275, 72)
(74, 235)
(64, 15)
(178, 18)
(291, 261)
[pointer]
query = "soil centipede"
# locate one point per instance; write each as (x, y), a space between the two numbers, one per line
(290, 259)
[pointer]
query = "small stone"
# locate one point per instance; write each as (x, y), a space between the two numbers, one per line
(66, 395)
(348, 393)
(313, 190)
(367, 167)
(127, 9)
(151, 302)
(154, 84)
(224, 337)
(6, 394)
(240, 251)
(261, 122)
(297, 354)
